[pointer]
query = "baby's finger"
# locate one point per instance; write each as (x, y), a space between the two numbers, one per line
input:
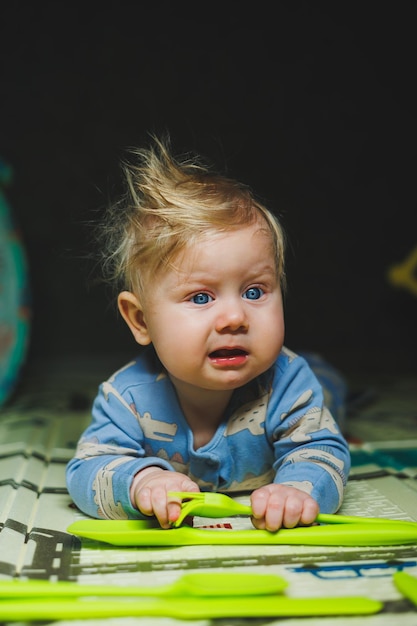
(309, 512)
(188, 485)
(174, 502)
(292, 512)
(274, 515)
(173, 508)
(143, 501)
(259, 503)
(160, 506)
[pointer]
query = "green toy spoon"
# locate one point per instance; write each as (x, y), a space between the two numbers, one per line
(197, 584)
(135, 533)
(212, 504)
(185, 609)
(407, 585)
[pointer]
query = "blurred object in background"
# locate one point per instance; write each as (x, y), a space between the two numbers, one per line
(404, 274)
(14, 295)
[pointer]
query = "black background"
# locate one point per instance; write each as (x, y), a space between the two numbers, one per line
(312, 104)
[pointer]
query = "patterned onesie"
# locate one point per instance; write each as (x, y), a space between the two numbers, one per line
(276, 429)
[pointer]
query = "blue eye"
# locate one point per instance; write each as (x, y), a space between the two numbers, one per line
(253, 293)
(201, 298)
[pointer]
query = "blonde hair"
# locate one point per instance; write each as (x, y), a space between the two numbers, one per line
(168, 204)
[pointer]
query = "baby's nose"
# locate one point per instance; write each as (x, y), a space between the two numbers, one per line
(232, 317)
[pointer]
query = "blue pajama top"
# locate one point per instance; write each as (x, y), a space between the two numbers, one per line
(277, 429)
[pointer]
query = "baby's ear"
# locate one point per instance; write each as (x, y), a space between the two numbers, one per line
(132, 312)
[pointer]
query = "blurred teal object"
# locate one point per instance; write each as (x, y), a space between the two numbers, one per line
(14, 292)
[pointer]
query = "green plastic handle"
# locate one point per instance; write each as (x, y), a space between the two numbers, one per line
(196, 584)
(133, 533)
(407, 585)
(181, 608)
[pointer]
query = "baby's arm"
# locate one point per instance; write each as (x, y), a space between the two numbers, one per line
(149, 489)
(276, 505)
(312, 459)
(110, 454)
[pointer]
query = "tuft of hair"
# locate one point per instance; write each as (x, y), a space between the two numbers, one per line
(168, 204)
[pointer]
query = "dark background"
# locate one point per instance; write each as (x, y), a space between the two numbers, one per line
(312, 104)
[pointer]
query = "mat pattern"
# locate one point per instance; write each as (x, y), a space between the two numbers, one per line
(35, 509)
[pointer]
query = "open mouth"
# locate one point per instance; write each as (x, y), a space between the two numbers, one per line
(227, 353)
(228, 356)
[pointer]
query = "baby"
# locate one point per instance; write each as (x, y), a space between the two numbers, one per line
(214, 401)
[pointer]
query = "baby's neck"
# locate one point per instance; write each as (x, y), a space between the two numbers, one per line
(204, 412)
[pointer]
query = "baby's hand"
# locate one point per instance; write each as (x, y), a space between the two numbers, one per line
(275, 506)
(149, 490)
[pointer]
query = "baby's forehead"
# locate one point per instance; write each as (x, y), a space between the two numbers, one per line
(242, 241)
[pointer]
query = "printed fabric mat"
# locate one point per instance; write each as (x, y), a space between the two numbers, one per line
(38, 433)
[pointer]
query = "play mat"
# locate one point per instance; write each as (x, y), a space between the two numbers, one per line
(38, 433)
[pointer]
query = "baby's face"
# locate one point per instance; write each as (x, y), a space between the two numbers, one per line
(216, 318)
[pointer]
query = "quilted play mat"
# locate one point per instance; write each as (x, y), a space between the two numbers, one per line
(38, 433)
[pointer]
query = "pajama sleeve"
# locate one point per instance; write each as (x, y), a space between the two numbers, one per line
(109, 454)
(310, 451)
